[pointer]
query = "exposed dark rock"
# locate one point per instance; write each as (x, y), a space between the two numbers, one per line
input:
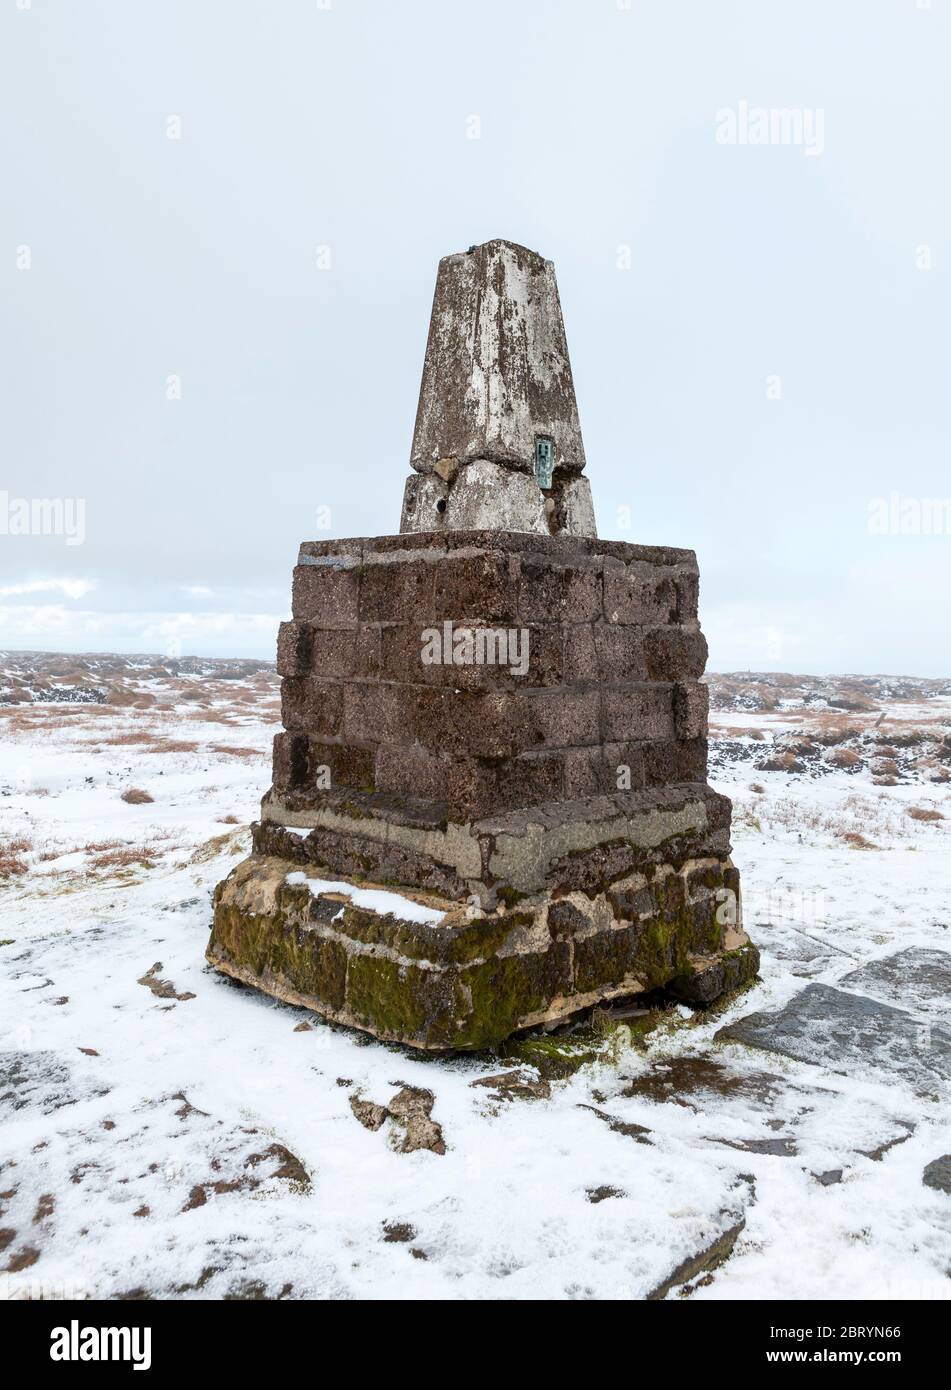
(398, 1232)
(162, 989)
(938, 1174)
(370, 1115)
(640, 1133)
(515, 1085)
(411, 1112)
(704, 1261)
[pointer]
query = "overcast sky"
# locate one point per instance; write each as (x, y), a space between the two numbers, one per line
(759, 331)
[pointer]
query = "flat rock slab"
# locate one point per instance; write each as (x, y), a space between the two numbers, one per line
(34, 1080)
(938, 1174)
(915, 979)
(804, 955)
(853, 1035)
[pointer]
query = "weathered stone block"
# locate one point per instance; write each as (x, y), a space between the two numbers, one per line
(639, 593)
(553, 593)
(486, 724)
(506, 989)
(397, 590)
(311, 706)
(674, 654)
(673, 761)
(708, 980)
(691, 709)
(620, 652)
(477, 787)
(687, 580)
(410, 771)
(333, 765)
(294, 649)
(327, 594)
(577, 509)
(603, 770)
(643, 711)
(608, 958)
(331, 654)
(472, 656)
(342, 654)
(623, 765)
(290, 760)
(379, 713)
(562, 717)
(580, 653)
(565, 920)
(425, 500)
(480, 585)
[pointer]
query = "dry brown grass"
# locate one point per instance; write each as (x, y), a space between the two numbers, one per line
(887, 768)
(782, 762)
(925, 813)
(132, 737)
(11, 864)
(855, 840)
(877, 816)
(830, 734)
(126, 857)
(228, 820)
(236, 751)
(844, 757)
(135, 796)
(172, 745)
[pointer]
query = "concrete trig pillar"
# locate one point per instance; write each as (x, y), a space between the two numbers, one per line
(497, 443)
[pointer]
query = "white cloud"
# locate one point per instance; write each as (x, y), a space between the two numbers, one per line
(61, 628)
(71, 588)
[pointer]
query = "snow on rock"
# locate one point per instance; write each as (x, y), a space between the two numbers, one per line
(373, 899)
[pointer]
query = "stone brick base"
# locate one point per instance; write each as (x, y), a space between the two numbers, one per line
(466, 979)
(553, 805)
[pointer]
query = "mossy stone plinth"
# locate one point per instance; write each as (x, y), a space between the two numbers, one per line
(468, 982)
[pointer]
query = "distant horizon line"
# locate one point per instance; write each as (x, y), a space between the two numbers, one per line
(272, 661)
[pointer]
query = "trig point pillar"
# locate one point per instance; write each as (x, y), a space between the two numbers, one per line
(490, 807)
(497, 444)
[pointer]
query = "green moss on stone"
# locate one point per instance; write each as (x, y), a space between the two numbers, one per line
(554, 1056)
(404, 1002)
(270, 945)
(507, 990)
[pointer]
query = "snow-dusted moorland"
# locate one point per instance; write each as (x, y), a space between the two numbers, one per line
(168, 1134)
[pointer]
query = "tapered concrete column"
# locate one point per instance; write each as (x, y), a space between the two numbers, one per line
(497, 444)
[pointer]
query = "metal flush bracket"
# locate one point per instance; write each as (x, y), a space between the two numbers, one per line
(544, 462)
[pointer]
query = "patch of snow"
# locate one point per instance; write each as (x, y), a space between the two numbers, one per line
(374, 899)
(154, 1149)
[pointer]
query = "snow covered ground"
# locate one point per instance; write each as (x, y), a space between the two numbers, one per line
(166, 1133)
